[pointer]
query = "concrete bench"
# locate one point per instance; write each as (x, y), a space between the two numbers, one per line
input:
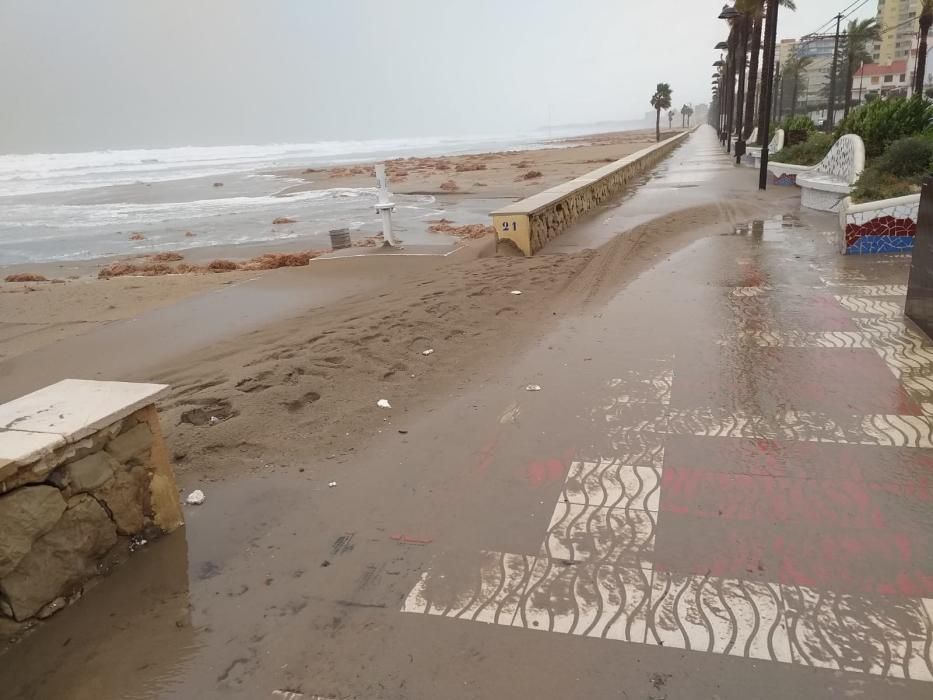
(532, 222)
(84, 474)
(825, 186)
(752, 156)
(828, 183)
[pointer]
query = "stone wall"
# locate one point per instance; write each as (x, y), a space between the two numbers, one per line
(72, 513)
(551, 221)
(532, 222)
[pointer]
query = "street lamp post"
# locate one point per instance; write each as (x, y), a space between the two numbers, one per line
(730, 14)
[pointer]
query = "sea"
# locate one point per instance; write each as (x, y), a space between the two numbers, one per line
(78, 206)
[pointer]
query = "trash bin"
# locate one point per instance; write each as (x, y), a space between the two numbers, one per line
(340, 238)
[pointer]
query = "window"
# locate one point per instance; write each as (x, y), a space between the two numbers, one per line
(875, 80)
(889, 78)
(903, 77)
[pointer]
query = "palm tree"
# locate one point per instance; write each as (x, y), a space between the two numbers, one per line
(755, 9)
(685, 113)
(661, 99)
(926, 21)
(764, 106)
(858, 36)
(794, 68)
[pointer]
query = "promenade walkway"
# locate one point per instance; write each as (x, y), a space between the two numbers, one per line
(722, 489)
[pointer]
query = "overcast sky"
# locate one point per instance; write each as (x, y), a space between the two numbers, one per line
(95, 74)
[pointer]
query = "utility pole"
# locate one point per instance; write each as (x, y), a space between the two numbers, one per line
(771, 20)
(831, 112)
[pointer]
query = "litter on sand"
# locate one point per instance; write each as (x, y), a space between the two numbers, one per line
(429, 351)
(214, 420)
(195, 498)
(382, 403)
(332, 484)
(516, 292)
(532, 387)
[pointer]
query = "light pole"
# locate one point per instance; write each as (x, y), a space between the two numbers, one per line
(831, 114)
(730, 14)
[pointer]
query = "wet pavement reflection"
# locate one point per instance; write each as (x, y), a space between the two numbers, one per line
(723, 489)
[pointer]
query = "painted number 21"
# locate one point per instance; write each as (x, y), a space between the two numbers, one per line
(506, 224)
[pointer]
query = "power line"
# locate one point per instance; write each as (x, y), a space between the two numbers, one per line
(848, 8)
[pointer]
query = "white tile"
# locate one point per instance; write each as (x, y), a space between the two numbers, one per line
(718, 615)
(877, 635)
(75, 408)
(588, 600)
(485, 590)
(611, 484)
(600, 535)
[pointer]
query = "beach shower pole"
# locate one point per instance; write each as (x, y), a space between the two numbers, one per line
(385, 206)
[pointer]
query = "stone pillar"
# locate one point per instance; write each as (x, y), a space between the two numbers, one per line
(919, 306)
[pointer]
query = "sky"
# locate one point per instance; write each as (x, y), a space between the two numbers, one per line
(80, 75)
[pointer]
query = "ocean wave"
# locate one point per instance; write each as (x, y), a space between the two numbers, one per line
(139, 215)
(43, 173)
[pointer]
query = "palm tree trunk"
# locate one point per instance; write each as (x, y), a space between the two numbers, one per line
(657, 126)
(793, 98)
(922, 56)
(743, 59)
(850, 75)
(753, 78)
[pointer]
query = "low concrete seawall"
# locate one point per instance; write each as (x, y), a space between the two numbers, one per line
(532, 222)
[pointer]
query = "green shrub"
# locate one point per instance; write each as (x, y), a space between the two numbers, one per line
(810, 152)
(882, 122)
(876, 184)
(797, 129)
(907, 157)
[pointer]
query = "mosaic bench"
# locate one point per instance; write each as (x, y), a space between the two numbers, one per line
(752, 157)
(882, 226)
(826, 186)
(84, 478)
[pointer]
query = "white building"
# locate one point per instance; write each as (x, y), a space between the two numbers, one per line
(881, 80)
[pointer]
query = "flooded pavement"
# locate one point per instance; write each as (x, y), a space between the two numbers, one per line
(722, 490)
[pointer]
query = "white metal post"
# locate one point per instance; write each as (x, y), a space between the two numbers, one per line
(385, 206)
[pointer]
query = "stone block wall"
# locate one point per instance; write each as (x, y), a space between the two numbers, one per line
(550, 221)
(72, 513)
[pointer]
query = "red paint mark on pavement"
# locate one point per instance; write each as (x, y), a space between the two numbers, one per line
(405, 539)
(541, 473)
(769, 499)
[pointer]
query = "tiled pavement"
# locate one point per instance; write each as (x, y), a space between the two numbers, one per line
(763, 490)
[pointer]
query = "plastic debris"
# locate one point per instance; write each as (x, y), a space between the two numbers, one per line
(532, 387)
(516, 292)
(195, 498)
(429, 351)
(214, 420)
(332, 484)
(383, 403)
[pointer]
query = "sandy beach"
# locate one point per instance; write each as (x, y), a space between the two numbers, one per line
(306, 349)
(74, 301)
